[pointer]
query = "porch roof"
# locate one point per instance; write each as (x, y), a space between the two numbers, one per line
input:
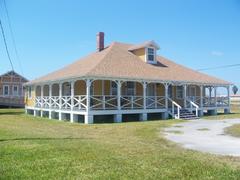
(116, 61)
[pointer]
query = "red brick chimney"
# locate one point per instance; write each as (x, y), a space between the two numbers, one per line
(100, 41)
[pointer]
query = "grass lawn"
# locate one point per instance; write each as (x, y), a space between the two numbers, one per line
(233, 130)
(38, 148)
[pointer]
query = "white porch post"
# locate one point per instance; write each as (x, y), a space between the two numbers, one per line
(210, 92)
(34, 90)
(41, 112)
(166, 96)
(143, 116)
(144, 95)
(165, 116)
(118, 116)
(88, 117)
(227, 110)
(50, 101)
(201, 96)
(215, 95)
(185, 95)
(201, 101)
(60, 101)
(103, 96)
(72, 101)
(228, 95)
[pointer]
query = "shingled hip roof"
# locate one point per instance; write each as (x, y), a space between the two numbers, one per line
(116, 61)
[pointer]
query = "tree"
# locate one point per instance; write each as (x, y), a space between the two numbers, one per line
(235, 89)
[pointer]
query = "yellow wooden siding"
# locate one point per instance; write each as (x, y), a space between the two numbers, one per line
(30, 101)
(139, 89)
(140, 53)
(160, 90)
(80, 88)
(107, 87)
(97, 87)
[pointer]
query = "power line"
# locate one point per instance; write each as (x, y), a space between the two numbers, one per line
(13, 39)
(219, 67)
(5, 43)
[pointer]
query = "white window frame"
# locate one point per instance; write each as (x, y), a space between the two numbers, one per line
(17, 94)
(111, 88)
(154, 55)
(4, 90)
(179, 92)
(126, 88)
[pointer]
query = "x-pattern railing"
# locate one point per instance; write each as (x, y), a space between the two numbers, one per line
(103, 102)
(99, 102)
(38, 102)
(209, 102)
(55, 102)
(155, 102)
(66, 102)
(79, 102)
(222, 101)
(46, 101)
(218, 101)
(131, 102)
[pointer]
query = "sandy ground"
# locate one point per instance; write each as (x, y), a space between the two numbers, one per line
(206, 136)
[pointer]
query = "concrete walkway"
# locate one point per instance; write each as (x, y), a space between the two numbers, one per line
(206, 136)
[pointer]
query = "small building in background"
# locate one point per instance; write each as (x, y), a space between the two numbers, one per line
(235, 99)
(11, 89)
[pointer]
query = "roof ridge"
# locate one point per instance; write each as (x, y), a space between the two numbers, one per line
(108, 50)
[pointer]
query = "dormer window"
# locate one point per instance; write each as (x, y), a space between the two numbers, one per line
(146, 51)
(150, 54)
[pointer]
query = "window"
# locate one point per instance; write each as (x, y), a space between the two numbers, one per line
(92, 89)
(15, 90)
(130, 89)
(179, 92)
(5, 90)
(170, 91)
(113, 88)
(192, 91)
(29, 92)
(150, 54)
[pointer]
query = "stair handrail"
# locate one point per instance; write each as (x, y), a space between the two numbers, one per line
(195, 105)
(177, 116)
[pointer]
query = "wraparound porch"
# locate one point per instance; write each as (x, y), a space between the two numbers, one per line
(118, 97)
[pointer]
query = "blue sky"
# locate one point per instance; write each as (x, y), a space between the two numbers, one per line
(51, 34)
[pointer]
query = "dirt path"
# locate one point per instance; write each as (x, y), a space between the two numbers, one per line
(206, 136)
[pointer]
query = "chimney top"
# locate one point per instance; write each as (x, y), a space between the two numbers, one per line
(100, 41)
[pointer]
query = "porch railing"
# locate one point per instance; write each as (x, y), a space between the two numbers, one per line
(207, 101)
(155, 102)
(100, 102)
(175, 109)
(103, 102)
(222, 101)
(110, 102)
(195, 99)
(193, 104)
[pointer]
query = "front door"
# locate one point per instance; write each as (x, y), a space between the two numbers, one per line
(151, 92)
(192, 93)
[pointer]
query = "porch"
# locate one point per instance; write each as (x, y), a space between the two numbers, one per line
(118, 97)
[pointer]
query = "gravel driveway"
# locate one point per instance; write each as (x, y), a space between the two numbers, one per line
(206, 136)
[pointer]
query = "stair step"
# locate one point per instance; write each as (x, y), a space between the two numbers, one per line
(186, 114)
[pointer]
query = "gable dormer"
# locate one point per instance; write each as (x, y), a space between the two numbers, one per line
(146, 51)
